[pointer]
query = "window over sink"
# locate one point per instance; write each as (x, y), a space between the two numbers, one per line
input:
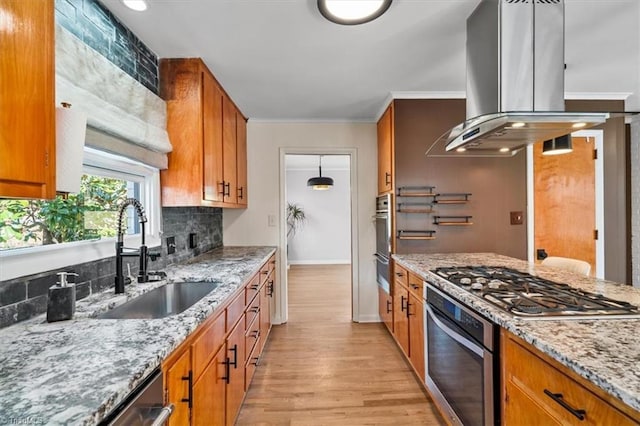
(82, 226)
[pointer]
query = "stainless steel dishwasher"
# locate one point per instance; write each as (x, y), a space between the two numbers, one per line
(143, 407)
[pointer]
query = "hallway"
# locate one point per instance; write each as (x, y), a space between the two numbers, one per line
(322, 369)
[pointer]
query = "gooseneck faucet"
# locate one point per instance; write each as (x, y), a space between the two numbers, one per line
(142, 253)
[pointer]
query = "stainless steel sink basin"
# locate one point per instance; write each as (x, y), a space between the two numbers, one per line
(161, 302)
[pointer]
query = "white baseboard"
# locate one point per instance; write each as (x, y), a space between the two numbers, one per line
(321, 262)
(369, 318)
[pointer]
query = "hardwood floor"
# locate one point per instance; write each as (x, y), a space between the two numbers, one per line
(322, 369)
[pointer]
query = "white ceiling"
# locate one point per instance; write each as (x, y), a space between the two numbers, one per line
(281, 60)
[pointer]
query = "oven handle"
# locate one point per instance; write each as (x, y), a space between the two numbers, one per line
(381, 259)
(164, 415)
(451, 333)
(384, 216)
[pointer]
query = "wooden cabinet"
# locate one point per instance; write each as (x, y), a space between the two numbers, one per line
(178, 382)
(385, 308)
(241, 159)
(400, 318)
(27, 103)
(385, 151)
(408, 317)
(206, 378)
(235, 358)
(209, 392)
(202, 125)
(538, 390)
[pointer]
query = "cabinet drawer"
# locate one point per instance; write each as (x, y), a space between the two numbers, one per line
(251, 289)
(550, 389)
(253, 310)
(252, 336)
(250, 367)
(400, 275)
(272, 263)
(235, 311)
(264, 272)
(206, 344)
(415, 285)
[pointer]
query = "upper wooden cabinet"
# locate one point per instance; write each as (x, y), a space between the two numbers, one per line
(27, 103)
(202, 125)
(241, 155)
(385, 151)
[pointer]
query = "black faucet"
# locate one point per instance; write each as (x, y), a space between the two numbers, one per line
(142, 252)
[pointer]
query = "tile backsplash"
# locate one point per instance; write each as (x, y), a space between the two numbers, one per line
(96, 26)
(25, 297)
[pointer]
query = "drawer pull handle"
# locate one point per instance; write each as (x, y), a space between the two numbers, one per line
(189, 379)
(557, 397)
(400, 274)
(227, 370)
(234, 349)
(402, 308)
(254, 286)
(388, 306)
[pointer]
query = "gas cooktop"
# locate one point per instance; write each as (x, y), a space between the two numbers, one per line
(531, 297)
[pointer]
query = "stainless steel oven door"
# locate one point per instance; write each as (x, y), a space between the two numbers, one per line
(383, 226)
(382, 272)
(459, 371)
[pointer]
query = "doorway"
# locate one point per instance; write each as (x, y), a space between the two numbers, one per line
(566, 202)
(325, 237)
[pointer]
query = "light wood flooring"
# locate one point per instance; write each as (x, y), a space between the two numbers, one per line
(322, 369)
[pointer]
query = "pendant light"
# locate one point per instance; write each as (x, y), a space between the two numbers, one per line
(320, 183)
(557, 146)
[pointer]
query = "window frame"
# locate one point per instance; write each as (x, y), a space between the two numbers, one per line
(32, 260)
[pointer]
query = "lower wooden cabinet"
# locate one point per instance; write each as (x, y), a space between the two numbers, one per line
(539, 391)
(178, 384)
(209, 392)
(206, 378)
(408, 317)
(385, 308)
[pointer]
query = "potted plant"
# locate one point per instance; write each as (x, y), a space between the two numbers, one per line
(295, 219)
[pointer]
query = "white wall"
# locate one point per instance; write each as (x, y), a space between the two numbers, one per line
(250, 226)
(325, 236)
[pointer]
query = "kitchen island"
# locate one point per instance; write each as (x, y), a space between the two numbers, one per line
(604, 351)
(77, 371)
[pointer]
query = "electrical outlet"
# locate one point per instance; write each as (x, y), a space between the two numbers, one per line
(193, 240)
(171, 245)
(516, 218)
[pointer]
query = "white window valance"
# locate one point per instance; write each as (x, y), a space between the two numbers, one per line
(115, 103)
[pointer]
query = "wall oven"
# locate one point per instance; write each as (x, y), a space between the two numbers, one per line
(383, 240)
(460, 362)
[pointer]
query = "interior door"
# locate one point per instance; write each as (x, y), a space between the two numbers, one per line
(564, 200)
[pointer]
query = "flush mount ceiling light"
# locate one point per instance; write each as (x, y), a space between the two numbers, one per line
(320, 183)
(137, 5)
(557, 146)
(352, 12)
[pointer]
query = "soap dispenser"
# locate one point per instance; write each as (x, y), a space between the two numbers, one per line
(62, 299)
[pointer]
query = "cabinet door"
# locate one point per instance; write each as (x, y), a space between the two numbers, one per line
(27, 105)
(235, 387)
(209, 392)
(178, 383)
(385, 308)
(385, 147)
(229, 132)
(400, 320)
(241, 160)
(212, 140)
(265, 316)
(416, 334)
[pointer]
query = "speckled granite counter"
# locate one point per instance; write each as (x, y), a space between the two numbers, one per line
(603, 351)
(75, 372)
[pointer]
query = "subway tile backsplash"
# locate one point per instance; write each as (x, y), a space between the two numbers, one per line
(25, 297)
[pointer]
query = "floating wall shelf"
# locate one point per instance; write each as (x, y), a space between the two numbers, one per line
(452, 198)
(406, 234)
(416, 191)
(415, 207)
(452, 220)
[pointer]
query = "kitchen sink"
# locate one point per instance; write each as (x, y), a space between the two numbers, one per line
(161, 302)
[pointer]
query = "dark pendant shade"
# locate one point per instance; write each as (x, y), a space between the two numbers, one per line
(320, 182)
(559, 145)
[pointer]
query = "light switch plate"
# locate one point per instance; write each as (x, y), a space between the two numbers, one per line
(193, 240)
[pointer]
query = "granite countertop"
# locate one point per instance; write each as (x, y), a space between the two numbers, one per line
(604, 351)
(77, 371)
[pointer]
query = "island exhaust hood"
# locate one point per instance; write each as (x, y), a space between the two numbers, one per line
(515, 80)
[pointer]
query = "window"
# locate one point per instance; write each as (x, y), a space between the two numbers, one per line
(80, 221)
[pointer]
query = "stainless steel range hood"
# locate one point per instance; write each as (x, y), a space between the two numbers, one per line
(515, 79)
